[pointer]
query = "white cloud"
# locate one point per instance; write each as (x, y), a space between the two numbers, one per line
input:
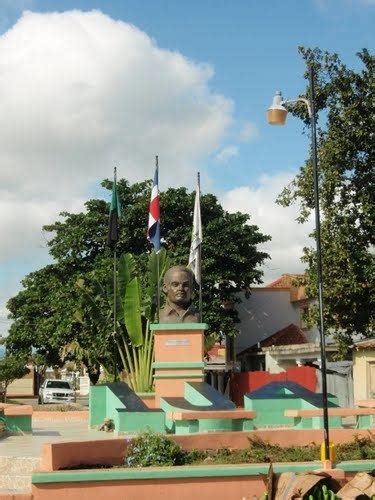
(288, 237)
(226, 153)
(81, 93)
(249, 132)
(23, 220)
(324, 5)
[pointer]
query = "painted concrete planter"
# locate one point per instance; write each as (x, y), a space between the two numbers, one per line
(68, 454)
(219, 482)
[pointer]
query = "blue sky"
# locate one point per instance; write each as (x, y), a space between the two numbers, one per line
(190, 82)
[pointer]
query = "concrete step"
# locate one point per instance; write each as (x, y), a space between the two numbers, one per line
(11, 465)
(16, 483)
(201, 393)
(15, 472)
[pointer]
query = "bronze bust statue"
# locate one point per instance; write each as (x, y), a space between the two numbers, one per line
(178, 286)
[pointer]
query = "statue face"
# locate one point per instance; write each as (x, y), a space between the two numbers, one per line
(178, 288)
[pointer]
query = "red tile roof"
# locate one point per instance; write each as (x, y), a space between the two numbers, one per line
(285, 281)
(365, 344)
(291, 334)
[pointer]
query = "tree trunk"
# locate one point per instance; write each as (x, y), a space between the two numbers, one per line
(93, 371)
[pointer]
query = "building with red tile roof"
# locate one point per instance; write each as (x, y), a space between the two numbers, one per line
(273, 317)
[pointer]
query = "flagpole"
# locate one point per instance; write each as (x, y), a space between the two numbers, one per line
(115, 288)
(200, 257)
(157, 257)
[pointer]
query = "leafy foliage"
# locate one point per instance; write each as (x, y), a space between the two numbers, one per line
(46, 313)
(346, 158)
(361, 448)
(152, 449)
(11, 368)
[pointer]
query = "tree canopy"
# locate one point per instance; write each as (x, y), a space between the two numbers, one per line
(44, 312)
(345, 98)
(11, 368)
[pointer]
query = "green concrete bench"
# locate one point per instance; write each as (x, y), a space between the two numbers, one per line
(16, 418)
(189, 420)
(312, 419)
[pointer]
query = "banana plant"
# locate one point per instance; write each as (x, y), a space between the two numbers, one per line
(136, 308)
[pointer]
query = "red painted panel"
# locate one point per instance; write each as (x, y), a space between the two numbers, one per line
(303, 375)
(245, 382)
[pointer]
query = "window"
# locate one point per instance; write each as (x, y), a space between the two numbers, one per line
(57, 384)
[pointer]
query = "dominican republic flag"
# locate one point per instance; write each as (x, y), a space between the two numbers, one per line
(196, 237)
(153, 232)
(114, 214)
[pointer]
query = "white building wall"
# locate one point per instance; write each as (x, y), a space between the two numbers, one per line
(264, 313)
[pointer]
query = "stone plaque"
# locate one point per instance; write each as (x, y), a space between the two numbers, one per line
(177, 342)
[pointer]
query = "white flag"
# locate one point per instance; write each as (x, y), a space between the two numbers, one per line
(196, 237)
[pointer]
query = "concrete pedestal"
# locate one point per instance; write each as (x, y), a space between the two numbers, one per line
(179, 351)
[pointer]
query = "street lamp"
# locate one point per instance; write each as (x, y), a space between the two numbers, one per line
(276, 115)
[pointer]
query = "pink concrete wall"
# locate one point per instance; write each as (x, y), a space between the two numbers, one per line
(68, 454)
(169, 387)
(16, 496)
(149, 401)
(82, 415)
(216, 488)
(192, 351)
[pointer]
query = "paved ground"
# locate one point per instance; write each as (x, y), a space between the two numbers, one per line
(82, 402)
(47, 432)
(20, 455)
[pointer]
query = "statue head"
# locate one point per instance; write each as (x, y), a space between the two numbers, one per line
(179, 285)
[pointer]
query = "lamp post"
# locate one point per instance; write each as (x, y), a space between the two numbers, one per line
(276, 115)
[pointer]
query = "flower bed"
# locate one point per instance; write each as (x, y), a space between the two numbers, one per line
(150, 449)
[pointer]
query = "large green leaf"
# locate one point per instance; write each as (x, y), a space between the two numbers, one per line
(126, 271)
(156, 271)
(132, 312)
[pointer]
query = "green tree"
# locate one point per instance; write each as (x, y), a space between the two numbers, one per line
(345, 98)
(43, 312)
(11, 368)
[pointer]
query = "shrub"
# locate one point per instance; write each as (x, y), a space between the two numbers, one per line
(153, 449)
(361, 448)
(262, 451)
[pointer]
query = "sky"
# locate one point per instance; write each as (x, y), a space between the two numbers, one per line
(87, 85)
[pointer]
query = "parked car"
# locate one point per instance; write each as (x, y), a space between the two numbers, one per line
(56, 391)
